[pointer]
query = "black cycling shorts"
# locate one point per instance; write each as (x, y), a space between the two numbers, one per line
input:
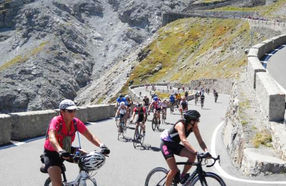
(168, 149)
(52, 158)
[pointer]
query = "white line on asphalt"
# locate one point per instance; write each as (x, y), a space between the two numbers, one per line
(225, 174)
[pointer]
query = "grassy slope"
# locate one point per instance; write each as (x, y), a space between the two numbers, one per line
(194, 48)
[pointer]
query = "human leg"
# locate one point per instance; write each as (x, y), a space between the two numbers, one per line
(191, 158)
(55, 175)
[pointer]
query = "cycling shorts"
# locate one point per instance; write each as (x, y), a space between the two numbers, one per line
(52, 158)
(168, 149)
(140, 119)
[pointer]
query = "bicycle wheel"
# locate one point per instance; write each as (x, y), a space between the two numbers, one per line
(88, 182)
(135, 138)
(141, 136)
(48, 182)
(210, 179)
(157, 177)
(154, 124)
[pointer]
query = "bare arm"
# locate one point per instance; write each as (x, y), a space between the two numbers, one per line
(199, 138)
(181, 131)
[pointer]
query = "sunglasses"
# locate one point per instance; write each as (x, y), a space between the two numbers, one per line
(70, 111)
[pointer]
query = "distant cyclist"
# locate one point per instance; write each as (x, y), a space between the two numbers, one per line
(164, 106)
(215, 95)
(197, 95)
(129, 104)
(146, 102)
(156, 105)
(140, 111)
(119, 100)
(202, 99)
(183, 105)
(121, 113)
(172, 101)
(170, 145)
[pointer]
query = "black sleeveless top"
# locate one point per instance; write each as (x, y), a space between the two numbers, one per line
(173, 135)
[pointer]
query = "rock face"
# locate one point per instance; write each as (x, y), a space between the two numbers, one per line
(51, 49)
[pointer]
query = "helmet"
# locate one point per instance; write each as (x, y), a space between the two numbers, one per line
(92, 161)
(192, 115)
(155, 98)
(139, 105)
(122, 103)
(127, 96)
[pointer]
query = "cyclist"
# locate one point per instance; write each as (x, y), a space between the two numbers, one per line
(197, 95)
(178, 99)
(202, 99)
(172, 101)
(215, 95)
(120, 99)
(183, 105)
(164, 106)
(121, 113)
(156, 105)
(146, 102)
(60, 135)
(170, 145)
(141, 118)
(128, 103)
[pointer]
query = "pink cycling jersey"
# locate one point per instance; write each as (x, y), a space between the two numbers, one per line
(55, 125)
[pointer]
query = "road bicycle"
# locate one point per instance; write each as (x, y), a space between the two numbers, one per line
(164, 115)
(86, 172)
(199, 177)
(139, 135)
(121, 126)
(156, 121)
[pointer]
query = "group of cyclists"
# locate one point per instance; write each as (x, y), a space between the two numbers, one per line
(62, 129)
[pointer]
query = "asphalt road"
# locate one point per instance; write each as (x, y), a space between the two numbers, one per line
(276, 66)
(126, 166)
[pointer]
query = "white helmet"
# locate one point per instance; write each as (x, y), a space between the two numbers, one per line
(127, 96)
(122, 103)
(92, 161)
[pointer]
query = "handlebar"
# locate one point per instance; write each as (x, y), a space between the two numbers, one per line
(201, 157)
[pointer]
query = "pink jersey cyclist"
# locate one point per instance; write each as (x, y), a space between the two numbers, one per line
(55, 125)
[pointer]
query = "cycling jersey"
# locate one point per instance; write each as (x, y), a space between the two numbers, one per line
(141, 113)
(58, 123)
(156, 105)
(172, 99)
(123, 99)
(184, 104)
(164, 105)
(122, 110)
(172, 135)
(170, 141)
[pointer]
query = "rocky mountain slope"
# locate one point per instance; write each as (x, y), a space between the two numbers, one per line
(78, 49)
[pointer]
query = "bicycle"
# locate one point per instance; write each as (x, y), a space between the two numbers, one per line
(139, 136)
(164, 114)
(199, 177)
(86, 173)
(121, 127)
(155, 121)
(202, 101)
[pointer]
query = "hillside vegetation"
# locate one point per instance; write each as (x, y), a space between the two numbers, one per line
(194, 48)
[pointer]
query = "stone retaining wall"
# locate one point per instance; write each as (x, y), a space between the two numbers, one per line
(23, 125)
(270, 96)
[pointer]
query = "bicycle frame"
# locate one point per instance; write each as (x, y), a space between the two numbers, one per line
(81, 177)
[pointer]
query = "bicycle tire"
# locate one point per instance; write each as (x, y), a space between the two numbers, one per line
(210, 179)
(142, 136)
(154, 123)
(161, 174)
(135, 137)
(48, 182)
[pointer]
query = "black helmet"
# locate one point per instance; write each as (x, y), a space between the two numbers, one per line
(192, 115)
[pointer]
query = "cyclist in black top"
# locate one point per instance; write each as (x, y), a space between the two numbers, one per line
(170, 144)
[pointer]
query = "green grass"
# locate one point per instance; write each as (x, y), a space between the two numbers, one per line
(24, 58)
(262, 138)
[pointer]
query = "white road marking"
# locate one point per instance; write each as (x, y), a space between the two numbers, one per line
(225, 174)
